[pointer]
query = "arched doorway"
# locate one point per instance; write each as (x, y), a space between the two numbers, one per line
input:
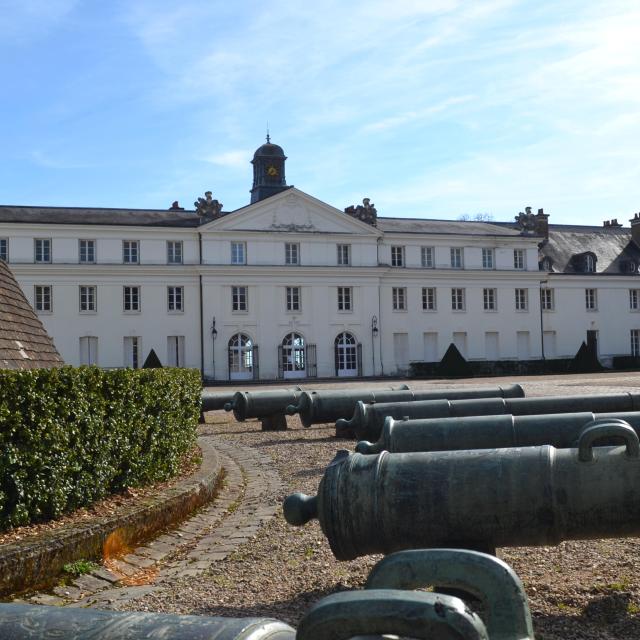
(241, 357)
(293, 356)
(346, 351)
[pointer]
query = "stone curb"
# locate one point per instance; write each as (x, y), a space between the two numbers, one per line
(30, 564)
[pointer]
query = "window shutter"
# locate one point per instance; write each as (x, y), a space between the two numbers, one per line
(256, 362)
(312, 366)
(280, 356)
(359, 357)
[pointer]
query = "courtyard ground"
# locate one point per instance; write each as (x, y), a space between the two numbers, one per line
(585, 589)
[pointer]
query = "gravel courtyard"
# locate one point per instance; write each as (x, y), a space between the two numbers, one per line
(587, 589)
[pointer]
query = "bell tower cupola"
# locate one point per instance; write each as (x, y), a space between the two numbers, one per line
(268, 171)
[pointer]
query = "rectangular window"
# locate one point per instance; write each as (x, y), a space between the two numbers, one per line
(457, 299)
(42, 249)
(426, 254)
(635, 342)
(344, 299)
(87, 251)
(547, 299)
(428, 298)
(130, 251)
(131, 298)
(397, 256)
(4, 249)
(522, 299)
(43, 299)
(489, 299)
(293, 298)
(518, 258)
(487, 259)
(399, 298)
(344, 255)
(175, 351)
(174, 251)
(238, 253)
(175, 299)
(239, 298)
(89, 350)
(634, 299)
(291, 253)
(591, 299)
(88, 298)
(456, 257)
(132, 352)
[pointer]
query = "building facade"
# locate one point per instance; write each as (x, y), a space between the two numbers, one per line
(291, 287)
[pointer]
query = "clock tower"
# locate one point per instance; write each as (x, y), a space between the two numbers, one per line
(268, 171)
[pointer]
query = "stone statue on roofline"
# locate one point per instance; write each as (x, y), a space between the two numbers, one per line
(365, 212)
(526, 220)
(207, 207)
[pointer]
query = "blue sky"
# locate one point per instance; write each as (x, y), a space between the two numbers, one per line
(431, 108)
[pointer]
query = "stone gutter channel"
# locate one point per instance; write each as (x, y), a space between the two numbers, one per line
(230, 483)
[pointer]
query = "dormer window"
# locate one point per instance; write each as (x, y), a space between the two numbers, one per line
(629, 266)
(589, 263)
(585, 262)
(546, 264)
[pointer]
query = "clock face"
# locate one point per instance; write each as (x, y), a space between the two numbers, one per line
(272, 171)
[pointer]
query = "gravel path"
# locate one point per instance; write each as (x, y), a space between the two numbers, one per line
(585, 589)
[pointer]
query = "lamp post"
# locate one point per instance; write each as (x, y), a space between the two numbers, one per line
(542, 282)
(214, 335)
(374, 335)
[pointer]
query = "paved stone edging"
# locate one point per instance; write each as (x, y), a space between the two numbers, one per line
(32, 563)
(233, 519)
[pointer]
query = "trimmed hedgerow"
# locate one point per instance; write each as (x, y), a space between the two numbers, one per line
(72, 435)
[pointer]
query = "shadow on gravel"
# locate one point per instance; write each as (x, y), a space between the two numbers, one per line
(231, 432)
(273, 443)
(289, 611)
(309, 473)
(615, 612)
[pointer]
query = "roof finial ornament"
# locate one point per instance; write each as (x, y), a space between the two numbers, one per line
(268, 136)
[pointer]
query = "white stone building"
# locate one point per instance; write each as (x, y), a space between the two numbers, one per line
(291, 287)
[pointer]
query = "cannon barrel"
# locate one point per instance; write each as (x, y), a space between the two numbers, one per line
(214, 401)
(33, 622)
(256, 404)
(318, 407)
(477, 499)
(388, 605)
(560, 430)
(367, 420)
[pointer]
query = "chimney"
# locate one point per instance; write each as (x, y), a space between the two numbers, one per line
(635, 228)
(611, 224)
(542, 223)
(175, 206)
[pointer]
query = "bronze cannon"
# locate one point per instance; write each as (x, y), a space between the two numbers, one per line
(318, 407)
(387, 605)
(477, 499)
(368, 419)
(269, 406)
(560, 430)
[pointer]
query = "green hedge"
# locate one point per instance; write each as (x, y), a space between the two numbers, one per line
(70, 436)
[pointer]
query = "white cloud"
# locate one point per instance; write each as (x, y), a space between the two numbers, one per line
(236, 159)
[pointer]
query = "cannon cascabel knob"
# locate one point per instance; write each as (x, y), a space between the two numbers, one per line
(299, 508)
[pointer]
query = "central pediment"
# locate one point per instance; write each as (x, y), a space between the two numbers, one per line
(291, 211)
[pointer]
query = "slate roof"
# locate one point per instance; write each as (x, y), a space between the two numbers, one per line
(445, 227)
(90, 215)
(24, 343)
(611, 246)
